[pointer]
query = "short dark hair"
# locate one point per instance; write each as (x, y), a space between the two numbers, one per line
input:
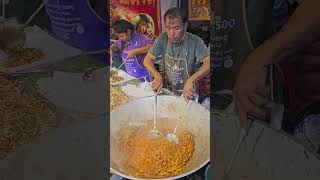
(176, 12)
(122, 26)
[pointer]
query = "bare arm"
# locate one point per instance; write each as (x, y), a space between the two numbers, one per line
(203, 70)
(148, 64)
(250, 91)
(188, 89)
(301, 30)
(142, 50)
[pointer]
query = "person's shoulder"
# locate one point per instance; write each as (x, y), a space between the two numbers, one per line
(142, 36)
(162, 37)
(193, 37)
(159, 43)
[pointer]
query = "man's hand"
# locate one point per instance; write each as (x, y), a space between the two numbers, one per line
(251, 93)
(157, 83)
(188, 89)
(130, 54)
(113, 47)
(301, 30)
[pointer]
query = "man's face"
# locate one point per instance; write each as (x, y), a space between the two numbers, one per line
(175, 29)
(125, 37)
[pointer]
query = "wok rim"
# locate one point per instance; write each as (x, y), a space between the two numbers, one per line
(167, 178)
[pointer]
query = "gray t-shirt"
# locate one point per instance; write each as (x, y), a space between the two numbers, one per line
(197, 49)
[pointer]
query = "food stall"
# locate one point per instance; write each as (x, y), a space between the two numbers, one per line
(132, 105)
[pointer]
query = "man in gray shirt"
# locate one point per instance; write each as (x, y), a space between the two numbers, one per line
(181, 52)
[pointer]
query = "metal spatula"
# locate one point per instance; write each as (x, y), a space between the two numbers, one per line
(172, 137)
(155, 133)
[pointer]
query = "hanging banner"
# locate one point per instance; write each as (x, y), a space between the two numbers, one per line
(144, 14)
(199, 10)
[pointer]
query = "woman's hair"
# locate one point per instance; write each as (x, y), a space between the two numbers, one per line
(122, 26)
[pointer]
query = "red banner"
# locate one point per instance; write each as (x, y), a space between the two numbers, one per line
(145, 14)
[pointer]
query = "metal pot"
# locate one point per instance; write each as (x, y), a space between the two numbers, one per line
(197, 121)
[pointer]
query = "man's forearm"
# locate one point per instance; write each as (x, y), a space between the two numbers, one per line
(301, 30)
(148, 64)
(143, 50)
(203, 70)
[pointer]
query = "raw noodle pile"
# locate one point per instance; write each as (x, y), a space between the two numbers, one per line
(23, 116)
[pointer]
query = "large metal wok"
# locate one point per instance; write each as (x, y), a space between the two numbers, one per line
(138, 112)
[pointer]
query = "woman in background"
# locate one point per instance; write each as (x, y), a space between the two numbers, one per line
(133, 47)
